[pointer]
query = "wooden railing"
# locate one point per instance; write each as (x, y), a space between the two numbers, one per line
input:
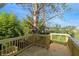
(58, 37)
(41, 40)
(13, 46)
(71, 42)
(73, 45)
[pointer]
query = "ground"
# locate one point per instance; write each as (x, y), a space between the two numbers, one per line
(55, 49)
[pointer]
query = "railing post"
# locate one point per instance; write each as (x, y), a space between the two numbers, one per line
(66, 39)
(48, 41)
(51, 36)
(34, 38)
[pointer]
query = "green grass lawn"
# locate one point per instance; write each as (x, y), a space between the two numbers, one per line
(59, 39)
(77, 36)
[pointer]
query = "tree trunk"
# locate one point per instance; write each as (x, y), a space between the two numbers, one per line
(35, 16)
(43, 14)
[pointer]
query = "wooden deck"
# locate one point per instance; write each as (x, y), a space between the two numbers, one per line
(55, 49)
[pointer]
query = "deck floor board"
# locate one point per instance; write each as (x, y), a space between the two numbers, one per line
(55, 49)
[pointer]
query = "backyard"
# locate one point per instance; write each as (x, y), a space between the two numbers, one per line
(39, 29)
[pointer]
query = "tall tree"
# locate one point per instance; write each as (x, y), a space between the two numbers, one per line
(43, 14)
(55, 9)
(35, 16)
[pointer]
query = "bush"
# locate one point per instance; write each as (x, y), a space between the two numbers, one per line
(9, 26)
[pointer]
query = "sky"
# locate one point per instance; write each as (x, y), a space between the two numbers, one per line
(69, 18)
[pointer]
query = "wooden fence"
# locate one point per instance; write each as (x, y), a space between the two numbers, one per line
(71, 42)
(14, 46)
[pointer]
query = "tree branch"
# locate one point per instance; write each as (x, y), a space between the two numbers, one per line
(52, 17)
(30, 11)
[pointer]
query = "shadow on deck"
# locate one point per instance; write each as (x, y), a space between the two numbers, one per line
(55, 49)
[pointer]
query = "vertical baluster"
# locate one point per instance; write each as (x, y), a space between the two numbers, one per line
(6, 48)
(18, 45)
(2, 49)
(23, 43)
(15, 43)
(15, 48)
(12, 46)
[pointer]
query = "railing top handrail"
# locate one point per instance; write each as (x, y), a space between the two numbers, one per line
(21, 37)
(10, 39)
(59, 34)
(74, 40)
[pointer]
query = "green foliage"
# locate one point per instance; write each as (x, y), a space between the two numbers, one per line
(27, 25)
(59, 39)
(41, 27)
(59, 29)
(9, 26)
